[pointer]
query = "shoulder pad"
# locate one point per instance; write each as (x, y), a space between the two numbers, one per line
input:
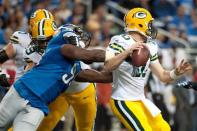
(122, 39)
(22, 38)
(121, 42)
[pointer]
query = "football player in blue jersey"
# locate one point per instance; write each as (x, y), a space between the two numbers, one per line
(27, 102)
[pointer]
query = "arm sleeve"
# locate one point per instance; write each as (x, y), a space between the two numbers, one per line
(153, 51)
(30, 55)
(113, 48)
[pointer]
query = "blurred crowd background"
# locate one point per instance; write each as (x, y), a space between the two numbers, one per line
(176, 21)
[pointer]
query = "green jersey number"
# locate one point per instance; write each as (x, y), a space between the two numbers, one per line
(139, 71)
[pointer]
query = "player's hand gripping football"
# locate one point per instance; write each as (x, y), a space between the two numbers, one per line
(4, 81)
(135, 46)
(183, 67)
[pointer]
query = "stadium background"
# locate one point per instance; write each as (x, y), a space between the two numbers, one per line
(176, 21)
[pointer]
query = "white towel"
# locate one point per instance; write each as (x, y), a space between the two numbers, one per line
(152, 108)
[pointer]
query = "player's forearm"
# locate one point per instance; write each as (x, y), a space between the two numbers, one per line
(160, 72)
(29, 66)
(95, 55)
(87, 56)
(165, 77)
(115, 61)
(90, 75)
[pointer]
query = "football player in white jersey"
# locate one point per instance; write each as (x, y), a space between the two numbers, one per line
(18, 42)
(128, 101)
(14, 50)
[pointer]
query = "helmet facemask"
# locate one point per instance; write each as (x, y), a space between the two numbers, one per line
(151, 31)
(84, 36)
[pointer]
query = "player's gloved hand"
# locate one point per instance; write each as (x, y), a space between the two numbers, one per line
(4, 81)
(187, 85)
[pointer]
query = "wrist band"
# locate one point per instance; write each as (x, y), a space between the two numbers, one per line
(173, 75)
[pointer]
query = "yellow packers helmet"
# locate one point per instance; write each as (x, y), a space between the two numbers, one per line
(44, 29)
(39, 15)
(140, 20)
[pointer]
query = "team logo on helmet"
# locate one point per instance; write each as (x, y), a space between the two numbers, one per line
(140, 15)
(54, 26)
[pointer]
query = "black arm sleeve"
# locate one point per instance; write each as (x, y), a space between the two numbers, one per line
(3, 56)
(194, 85)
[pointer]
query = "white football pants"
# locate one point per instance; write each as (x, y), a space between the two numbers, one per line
(17, 113)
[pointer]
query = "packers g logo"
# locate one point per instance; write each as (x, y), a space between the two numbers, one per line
(54, 26)
(140, 15)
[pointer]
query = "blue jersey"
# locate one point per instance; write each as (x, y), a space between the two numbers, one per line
(51, 76)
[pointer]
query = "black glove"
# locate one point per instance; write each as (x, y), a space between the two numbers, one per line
(4, 81)
(187, 85)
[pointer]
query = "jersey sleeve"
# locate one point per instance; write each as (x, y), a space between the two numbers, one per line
(113, 48)
(21, 38)
(30, 55)
(153, 47)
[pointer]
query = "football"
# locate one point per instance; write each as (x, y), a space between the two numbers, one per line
(140, 57)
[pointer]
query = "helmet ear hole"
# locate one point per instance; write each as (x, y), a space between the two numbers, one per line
(140, 25)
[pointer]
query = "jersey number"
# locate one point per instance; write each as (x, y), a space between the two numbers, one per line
(68, 77)
(139, 71)
(30, 50)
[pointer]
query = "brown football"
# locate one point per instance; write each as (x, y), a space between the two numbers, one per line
(140, 57)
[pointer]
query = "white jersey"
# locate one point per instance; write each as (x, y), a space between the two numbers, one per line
(128, 81)
(20, 40)
(78, 86)
(30, 55)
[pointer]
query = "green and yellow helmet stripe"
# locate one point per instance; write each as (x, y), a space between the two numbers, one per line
(46, 13)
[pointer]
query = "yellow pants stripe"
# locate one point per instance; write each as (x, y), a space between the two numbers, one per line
(128, 115)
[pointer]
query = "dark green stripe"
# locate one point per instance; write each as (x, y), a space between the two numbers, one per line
(45, 14)
(15, 37)
(124, 116)
(28, 60)
(38, 28)
(117, 49)
(154, 58)
(118, 46)
(132, 115)
(14, 40)
(43, 27)
(154, 55)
